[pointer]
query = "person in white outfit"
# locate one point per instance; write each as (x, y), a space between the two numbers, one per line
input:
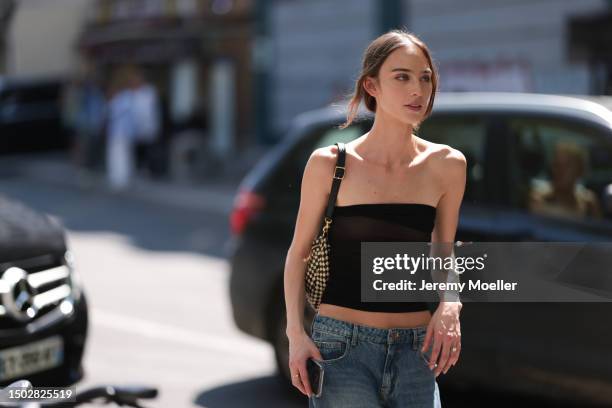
(120, 133)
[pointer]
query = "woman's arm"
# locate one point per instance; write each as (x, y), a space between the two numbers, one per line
(444, 326)
(315, 190)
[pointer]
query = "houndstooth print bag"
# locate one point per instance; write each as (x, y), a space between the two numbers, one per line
(317, 262)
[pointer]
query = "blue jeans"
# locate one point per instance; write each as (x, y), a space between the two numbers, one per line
(368, 367)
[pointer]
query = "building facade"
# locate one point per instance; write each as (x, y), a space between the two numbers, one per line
(317, 49)
(196, 52)
(517, 45)
(41, 35)
(478, 45)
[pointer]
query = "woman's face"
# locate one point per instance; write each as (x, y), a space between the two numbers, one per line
(404, 79)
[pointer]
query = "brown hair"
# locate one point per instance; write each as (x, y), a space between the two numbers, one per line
(373, 58)
(123, 77)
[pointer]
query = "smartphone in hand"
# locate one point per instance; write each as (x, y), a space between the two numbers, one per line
(315, 376)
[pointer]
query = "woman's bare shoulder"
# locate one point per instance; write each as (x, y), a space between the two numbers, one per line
(317, 178)
(445, 155)
(446, 160)
(323, 159)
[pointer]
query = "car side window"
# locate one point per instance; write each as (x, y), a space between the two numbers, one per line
(333, 135)
(295, 163)
(466, 133)
(563, 169)
(325, 136)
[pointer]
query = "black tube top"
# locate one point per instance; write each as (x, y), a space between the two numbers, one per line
(375, 222)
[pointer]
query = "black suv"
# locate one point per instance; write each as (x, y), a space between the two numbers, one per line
(43, 310)
(516, 146)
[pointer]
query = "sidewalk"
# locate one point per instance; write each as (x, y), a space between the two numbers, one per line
(216, 195)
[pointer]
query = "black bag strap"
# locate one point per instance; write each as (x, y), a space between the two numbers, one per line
(338, 176)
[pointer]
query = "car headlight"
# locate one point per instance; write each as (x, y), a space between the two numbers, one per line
(75, 277)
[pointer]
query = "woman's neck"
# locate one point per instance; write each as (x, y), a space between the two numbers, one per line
(389, 146)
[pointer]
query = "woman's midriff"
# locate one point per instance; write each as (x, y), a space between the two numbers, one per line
(379, 320)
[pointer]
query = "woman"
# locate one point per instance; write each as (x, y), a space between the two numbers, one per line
(564, 196)
(399, 187)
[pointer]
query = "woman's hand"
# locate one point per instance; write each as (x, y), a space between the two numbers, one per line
(445, 329)
(301, 348)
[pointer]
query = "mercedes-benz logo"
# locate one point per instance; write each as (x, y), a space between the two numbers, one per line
(18, 294)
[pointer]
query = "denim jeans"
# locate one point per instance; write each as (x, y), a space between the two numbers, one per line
(368, 367)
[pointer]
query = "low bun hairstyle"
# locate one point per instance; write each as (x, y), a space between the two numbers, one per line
(373, 58)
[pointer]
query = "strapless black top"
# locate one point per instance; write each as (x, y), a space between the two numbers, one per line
(374, 222)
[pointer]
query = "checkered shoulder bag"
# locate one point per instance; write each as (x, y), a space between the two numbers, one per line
(317, 262)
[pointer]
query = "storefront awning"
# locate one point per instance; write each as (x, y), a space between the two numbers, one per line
(145, 43)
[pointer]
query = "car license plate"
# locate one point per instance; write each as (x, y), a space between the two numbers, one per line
(31, 358)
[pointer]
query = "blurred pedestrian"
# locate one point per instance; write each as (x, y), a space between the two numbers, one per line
(121, 130)
(147, 118)
(84, 110)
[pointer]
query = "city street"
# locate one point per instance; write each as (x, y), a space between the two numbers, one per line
(157, 286)
(180, 144)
